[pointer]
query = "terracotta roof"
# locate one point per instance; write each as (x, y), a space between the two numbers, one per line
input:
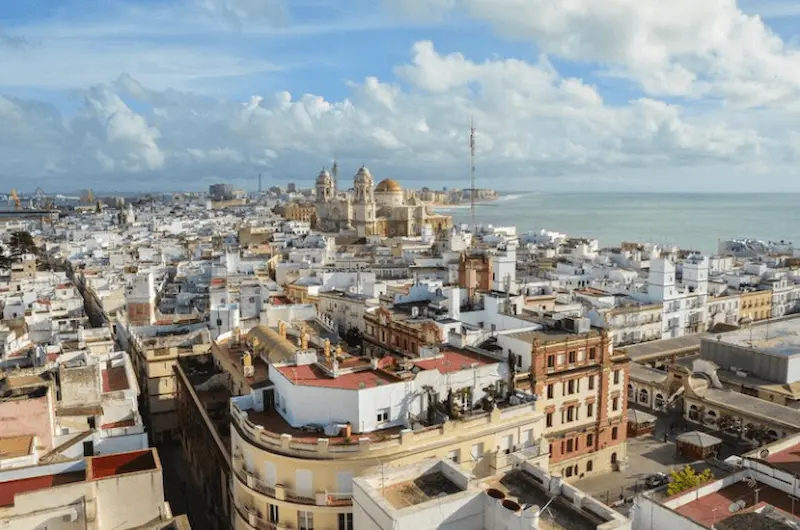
(311, 375)
(121, 463)
(115, 379)
(13, 487)
(452, 361)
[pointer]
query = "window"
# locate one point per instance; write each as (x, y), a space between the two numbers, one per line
(568, 471)
(383, 415)
(549, 419)
(590, 410)
(454, 456)
(615, 404)
(614, 433)
(570, 413)
(274, 515)
(589, 440)
(550, 391)
(477, 451)
(616, 377)
(572, 357)
(569, 446)
(591, 382)
(551, 361)
(345, 521)
(589, 466)
(571, 386)
(305, 520)
(592, 353)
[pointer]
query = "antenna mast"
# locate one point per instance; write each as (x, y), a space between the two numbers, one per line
(472, 178)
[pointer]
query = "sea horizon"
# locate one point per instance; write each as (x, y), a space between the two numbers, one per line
(693, 221)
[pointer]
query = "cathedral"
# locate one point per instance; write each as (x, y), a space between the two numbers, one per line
(384, 210)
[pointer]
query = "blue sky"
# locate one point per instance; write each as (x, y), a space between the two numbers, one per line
(159, 94)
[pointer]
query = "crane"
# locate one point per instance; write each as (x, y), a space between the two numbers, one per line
(15, 198)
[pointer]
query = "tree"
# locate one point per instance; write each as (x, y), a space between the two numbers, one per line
(687, 478)
(22, 242)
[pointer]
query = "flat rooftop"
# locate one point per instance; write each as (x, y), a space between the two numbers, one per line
(547, 335)
(714, 508)
(452, 360)
(560, 515)
(421, 489)
(774, 337)
(11, 488)
(273, 422)
(16, 446)
(663, 348)
(121, 463)
(312, 375)
(787, 459)
(115, 379)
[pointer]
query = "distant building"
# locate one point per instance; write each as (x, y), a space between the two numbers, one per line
(220, 192)
(291, 188)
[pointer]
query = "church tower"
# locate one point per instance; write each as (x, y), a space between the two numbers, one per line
(364, 207)
(324, 186)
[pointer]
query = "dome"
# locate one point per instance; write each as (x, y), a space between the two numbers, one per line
(363, 175)
(324, 177)
(388, 185)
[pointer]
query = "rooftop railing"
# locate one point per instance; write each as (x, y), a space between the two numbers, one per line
(367, 444)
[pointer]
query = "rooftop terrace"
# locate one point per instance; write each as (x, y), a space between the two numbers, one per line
(419, 490)
(774, 337)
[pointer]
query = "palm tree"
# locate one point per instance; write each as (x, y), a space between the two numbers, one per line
(22, 242)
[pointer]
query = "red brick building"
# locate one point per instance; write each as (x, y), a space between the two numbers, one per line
(581, 384)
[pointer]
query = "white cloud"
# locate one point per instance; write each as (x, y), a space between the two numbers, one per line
(682, 48)
(531, 121)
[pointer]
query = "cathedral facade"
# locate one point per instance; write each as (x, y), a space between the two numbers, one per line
(384, 210)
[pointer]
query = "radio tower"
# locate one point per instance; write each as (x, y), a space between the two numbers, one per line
(472, 178)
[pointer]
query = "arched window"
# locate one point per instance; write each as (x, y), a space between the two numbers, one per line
(660, 403)
(693, 413)
(613, 458)
(644, 396)
(711, 417)
(631, 392)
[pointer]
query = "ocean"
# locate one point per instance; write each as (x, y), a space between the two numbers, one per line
(691, 221)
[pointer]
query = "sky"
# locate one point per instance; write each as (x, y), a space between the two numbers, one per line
(565, 95)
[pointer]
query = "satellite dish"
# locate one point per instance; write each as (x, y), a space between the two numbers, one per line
(764, 453)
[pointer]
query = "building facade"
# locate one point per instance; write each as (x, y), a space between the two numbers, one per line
(581, 387)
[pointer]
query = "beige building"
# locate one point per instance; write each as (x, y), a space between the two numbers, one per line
(346, 309)
(154, 358)
(117, 491)
(755, 305)
(293, 472)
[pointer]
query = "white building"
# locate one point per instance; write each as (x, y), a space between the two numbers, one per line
(436, 495)
(683, 304)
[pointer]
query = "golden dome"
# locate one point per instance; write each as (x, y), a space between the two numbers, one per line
(388, 185)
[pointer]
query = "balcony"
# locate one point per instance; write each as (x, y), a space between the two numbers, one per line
(268, 431)
(253, 518)
(281, 493)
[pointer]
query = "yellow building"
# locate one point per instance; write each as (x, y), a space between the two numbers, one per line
(755, 305)
(286, 476)
(301, 212)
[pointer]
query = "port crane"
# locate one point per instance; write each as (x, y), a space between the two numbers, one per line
(15, 199)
